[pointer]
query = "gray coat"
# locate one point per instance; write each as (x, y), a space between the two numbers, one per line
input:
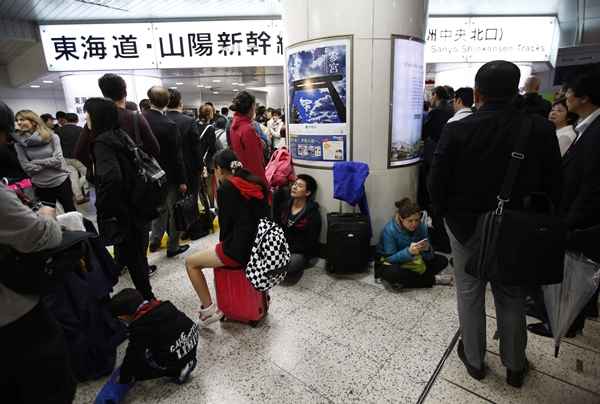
(25, 231)
(42, 161)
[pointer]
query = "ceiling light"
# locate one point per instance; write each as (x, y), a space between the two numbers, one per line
(235, 90)
(235, 84)
(215, 92)
(179, 84)
(34, 86)
(173, 88)
(47, 81)
(200, 85)
(216, 81)
(208, 87)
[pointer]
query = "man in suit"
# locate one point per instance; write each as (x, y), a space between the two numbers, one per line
(171, 160)
(580, 203)
(467, 172)
(433, 125)
(533, 102)
(69, 135)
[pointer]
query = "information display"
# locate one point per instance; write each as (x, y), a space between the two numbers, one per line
(408, 82)
(318, 100)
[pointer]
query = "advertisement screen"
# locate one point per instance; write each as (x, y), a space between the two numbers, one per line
(408, 81)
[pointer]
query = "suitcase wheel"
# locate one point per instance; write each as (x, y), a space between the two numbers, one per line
(253, 324)
(222, 319)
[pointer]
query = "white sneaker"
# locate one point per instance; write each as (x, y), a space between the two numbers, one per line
(447, 280)
(210, 315)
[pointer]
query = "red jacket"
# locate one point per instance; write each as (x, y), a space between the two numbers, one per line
(247, 146)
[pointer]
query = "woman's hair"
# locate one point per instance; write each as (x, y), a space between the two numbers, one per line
(7, 119)
(243, 102)
(311, 183)
(406, 208)
(227, 160)
(41, 128)
(103, 114)
(205, 113)
(572, 117)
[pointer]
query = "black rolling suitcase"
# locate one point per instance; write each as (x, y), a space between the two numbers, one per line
(348, 242)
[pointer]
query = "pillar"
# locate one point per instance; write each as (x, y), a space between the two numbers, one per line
(371, 22)
(78, 86)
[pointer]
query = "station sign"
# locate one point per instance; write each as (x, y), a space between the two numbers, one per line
(162, 45)
(482, 39)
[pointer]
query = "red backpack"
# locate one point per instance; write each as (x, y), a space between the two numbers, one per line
(280, 170)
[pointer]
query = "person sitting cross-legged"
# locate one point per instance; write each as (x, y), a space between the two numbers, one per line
(300, 219)
(406, 259)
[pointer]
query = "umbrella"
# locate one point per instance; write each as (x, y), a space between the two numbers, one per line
(564, 301)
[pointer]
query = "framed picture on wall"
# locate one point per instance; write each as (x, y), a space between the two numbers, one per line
(318, 86)
(407, 97)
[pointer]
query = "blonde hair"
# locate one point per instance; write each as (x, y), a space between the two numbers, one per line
(41, 128)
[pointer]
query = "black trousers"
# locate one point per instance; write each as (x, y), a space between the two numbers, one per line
(35, 363)
(409, 279)
(62, 193)
(132, 254)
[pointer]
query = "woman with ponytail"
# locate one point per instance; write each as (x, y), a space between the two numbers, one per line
(242, 200)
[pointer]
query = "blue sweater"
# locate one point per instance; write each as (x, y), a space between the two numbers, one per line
(395, 242)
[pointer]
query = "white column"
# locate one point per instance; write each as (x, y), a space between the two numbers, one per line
(372, 22)
(81, 85)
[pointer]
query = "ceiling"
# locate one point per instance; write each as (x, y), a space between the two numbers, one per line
(78, 10)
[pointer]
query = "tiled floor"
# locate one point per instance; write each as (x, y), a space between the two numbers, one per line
(347, 339)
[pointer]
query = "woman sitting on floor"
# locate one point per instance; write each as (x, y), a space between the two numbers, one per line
(406, 259)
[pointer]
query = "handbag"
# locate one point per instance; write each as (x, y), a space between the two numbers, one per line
(36, 273)
(519, 248)
(186, 212)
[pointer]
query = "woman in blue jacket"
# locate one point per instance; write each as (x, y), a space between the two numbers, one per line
(406, 258)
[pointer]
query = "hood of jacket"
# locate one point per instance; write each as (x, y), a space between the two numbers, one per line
(247, 189)
(27, 139)
(239, 120)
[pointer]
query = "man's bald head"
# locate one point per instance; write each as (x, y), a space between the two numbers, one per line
(532, 84)
(159, 96)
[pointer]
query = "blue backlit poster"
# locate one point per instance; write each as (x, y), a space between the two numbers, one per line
(318, 83)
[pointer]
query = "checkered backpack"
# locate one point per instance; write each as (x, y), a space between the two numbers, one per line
(270, 256)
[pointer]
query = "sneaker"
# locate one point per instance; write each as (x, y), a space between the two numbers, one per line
(152, 270)
(516, 378)
(186, 372)
(447, 280)
(210, 315)
(477, 374)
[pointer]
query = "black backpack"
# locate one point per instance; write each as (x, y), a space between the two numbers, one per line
(148, 179)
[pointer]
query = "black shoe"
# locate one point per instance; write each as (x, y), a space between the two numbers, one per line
(514, 378)
(153, 247)
(292, 278)
(477, 374)
(532, 311)
(152, 270)
(540, 329)
(181, 249)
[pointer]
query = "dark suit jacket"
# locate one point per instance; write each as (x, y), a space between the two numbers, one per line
(188, 129)
(69, 136)
(536, 104)
(471, 159)
(169, 139)
(581, 177)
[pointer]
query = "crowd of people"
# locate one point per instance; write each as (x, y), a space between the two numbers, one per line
(468, 137)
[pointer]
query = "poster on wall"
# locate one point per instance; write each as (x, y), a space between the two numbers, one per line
(406, 115)
(318, 101)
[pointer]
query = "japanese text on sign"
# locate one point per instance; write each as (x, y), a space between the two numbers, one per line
(163, 45)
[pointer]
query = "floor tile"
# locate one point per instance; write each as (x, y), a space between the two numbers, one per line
(446, 392)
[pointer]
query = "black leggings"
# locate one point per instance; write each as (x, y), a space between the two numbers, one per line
(410, 279)
(62, 193)
(35, 361)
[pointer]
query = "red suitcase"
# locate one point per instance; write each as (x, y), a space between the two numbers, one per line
(237, 298)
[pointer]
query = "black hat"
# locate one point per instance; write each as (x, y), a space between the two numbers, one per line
(498, 79)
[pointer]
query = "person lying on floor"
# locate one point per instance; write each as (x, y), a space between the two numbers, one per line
(300, 219)
(405, 257)
(162, 339)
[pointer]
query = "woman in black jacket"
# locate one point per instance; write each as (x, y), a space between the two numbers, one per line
(242, 200)
(117, 219)
(301, 221)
